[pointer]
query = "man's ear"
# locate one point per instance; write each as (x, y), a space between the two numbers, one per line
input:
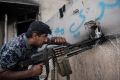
(34, 35)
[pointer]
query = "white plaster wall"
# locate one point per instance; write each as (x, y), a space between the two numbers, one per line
(49, 8)
(101, 62)
(72, 25)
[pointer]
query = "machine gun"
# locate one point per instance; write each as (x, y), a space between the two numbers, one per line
(67, 50)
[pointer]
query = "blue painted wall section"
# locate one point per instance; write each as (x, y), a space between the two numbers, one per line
(59, 31)
(74, 29)
(102, 5)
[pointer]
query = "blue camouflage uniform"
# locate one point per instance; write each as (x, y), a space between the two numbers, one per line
(14, 51)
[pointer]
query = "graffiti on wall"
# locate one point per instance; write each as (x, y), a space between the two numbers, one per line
(59, 31)
(102, 5)
(74, 29)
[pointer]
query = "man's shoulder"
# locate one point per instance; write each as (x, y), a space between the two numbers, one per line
(17, 42)
(14, 46)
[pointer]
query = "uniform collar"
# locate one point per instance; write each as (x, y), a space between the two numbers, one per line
(26, 42)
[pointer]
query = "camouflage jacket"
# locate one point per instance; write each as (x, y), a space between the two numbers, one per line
(14, 51)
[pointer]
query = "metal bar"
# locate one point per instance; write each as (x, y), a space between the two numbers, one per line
(32, 3)
(5, 29)
(75, 52)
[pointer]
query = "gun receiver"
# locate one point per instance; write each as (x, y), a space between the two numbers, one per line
(68, 50)
(57, 51)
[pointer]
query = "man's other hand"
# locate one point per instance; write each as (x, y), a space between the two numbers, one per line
(36, 69)
(58, 40)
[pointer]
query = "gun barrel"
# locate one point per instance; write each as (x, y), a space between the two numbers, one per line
(80, 50)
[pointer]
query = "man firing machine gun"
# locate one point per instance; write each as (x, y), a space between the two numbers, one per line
(66, 51)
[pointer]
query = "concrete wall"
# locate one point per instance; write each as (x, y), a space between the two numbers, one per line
(49, 8)
(101, 62)
(72, 24)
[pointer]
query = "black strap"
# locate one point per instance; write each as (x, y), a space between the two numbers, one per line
(46, 62)
(47, 70)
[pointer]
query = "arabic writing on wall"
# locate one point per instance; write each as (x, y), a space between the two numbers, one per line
(74, 29)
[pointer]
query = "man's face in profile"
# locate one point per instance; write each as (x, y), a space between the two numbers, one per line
(40, 39)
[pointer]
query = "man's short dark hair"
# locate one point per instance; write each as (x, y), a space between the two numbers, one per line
(39, 28)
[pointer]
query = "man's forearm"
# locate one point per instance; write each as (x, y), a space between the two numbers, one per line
(13, 75)
(35, 70)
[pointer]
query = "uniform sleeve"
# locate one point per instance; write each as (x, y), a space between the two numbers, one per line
(9, 59)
